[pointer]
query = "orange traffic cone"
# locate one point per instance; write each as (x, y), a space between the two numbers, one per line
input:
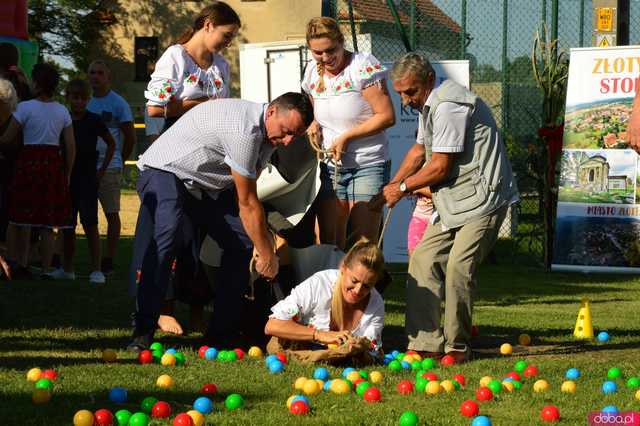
(584, 327)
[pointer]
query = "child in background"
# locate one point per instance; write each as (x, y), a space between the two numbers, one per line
(39, 189)
(419, 219)
(87, 126)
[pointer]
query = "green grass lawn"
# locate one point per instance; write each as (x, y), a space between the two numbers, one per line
(576, 195)
(65, 325)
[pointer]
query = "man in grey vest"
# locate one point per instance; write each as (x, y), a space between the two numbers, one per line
(459, 155)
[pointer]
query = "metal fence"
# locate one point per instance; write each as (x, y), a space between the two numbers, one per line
(496, 36)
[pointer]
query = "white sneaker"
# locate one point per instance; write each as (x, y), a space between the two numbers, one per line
(59, 274)
(97, 277)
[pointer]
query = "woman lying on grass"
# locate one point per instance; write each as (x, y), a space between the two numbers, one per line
(337, 308)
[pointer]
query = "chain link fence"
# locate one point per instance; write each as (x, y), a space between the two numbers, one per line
(496, 36)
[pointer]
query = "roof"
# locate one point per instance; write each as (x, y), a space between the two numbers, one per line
(377, 10)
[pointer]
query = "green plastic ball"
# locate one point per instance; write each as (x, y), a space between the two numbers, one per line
(232, 356)
(147, 404)
(139, 419)
(456, 384)
(362, 388)
(400, 356)
(614, 373)
(180, 359)
(408, 418)
(633, 382)
(234, 401)
(495, 386)
(520, 366)
(156, 346)
(157, 356)
(123, 417)
(516, 384)
(395, 366)
(421, 384)
(364, 374)
(44, 384)
(416, 365)
(428, 363)
(223, 356)
(419, 373)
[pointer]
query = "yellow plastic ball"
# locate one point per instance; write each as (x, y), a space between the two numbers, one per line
(353, 376)
(83, 418)
(41, 396)
(340, 386)
(320, 383)
(376, 377)
(433, 388)
(290, 400)
(417, 357)
(311, 387)
(568, 386)
(109, 355)
(448, 386)
(197, 417)
(638, 395)
(164, 381)
(524, 339)
(168, 359)
(541, 386)
(299, 383)
(255, 352)
(34, 374)
(506, 349)
(484, 382)
(508, 386)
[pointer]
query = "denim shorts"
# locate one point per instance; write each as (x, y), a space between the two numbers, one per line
(354, 183)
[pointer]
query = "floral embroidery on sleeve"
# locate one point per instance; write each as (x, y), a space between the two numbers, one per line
(371, 69)
(190, 79)
(164, 92)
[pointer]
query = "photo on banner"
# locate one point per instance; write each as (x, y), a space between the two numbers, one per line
(401, 137)
(598, 217)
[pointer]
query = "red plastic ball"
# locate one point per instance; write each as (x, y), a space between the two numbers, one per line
(357, 381)
(49, 374)
(484, 394)
(299, 408)
(460, 379)
(282, 357)
(372, 395)
(103, 417)
(209, 389)
(469, 408)
(447, 360)
(530, 371)
(183, 419)
(202, 350)
(514, 376)
(239, 352)
(411, 353)
(161, 409)
(432, 377)
(550, 413)
(405, 387)
(475, 331)
(145, 357)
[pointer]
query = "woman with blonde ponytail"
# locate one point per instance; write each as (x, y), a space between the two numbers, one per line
(333, 305)
(352, 109)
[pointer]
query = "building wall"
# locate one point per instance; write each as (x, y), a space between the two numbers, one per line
(262, 21)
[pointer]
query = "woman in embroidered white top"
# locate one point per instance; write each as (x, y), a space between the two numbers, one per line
(352, 109)
(192, 71)
(332, 305)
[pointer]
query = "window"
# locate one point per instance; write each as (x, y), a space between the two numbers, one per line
(146, 53)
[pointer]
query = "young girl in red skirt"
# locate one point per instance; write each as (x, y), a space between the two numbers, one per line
(39, 190)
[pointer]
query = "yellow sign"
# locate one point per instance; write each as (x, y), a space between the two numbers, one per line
(605, 40)
(605, 18)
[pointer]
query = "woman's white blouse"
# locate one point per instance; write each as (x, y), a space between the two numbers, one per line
(310, 304)
(177, 76)
(340, 106)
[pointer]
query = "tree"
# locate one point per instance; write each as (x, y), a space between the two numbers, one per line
(485, 73)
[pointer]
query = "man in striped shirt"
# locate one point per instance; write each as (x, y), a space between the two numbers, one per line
(202, 173)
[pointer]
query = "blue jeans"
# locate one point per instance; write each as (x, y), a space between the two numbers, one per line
(167, 223)
(354, 183)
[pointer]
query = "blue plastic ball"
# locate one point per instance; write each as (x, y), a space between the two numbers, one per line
(405, 365)
(327, 386)
(609, 387)
(481, 421)
(211, 354)
(118, 395)
(301, 398)
(394, 354)
(321, 373)
(276, 366)
(572, 374)
(610, 409)
(603, 336)
(386, 361)
(508, 379)
(203, 405)
(170, 351)
(347, 370)
(270, 358)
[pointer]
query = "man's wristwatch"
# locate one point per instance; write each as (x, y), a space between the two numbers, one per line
(403, 186)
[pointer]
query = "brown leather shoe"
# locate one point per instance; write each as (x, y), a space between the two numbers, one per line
(460, 357)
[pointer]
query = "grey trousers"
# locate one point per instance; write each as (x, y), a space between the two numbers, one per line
(446, 262)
